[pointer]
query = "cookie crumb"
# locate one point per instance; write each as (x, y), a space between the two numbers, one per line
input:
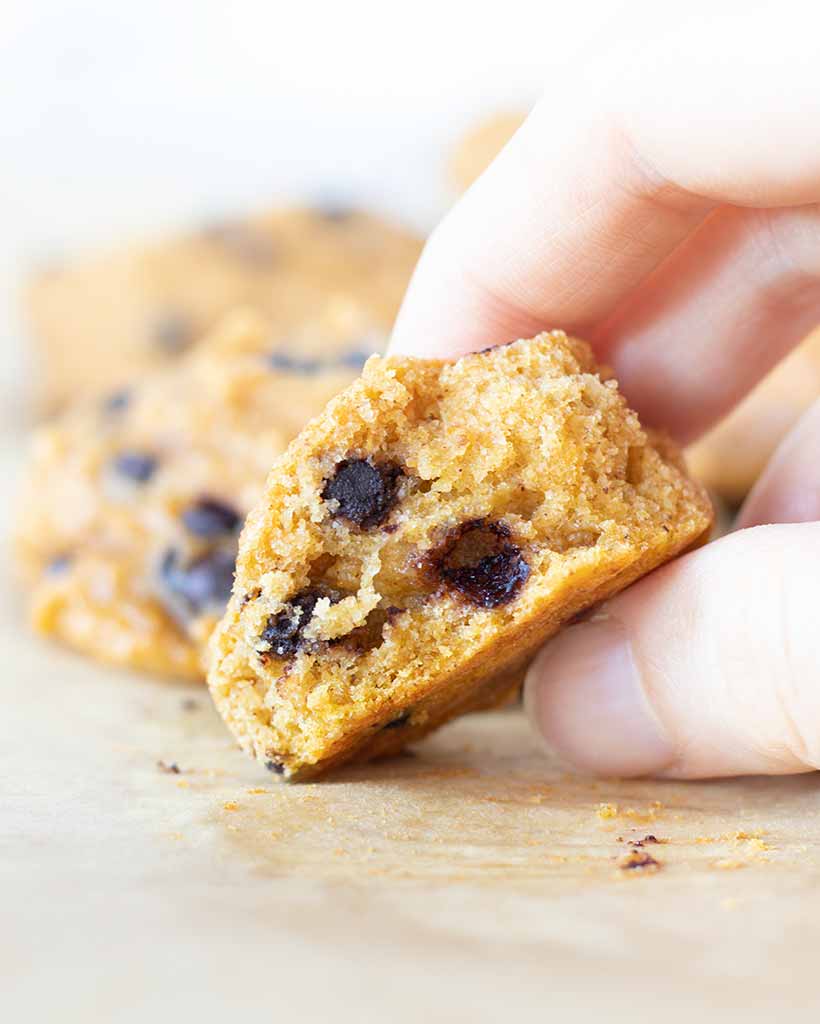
(640, 862)
(169, 769)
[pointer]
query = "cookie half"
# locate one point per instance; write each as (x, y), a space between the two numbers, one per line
(419, 541)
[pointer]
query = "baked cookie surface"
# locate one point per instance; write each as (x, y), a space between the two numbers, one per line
(420, 540)
(99, 325)
(128, 526)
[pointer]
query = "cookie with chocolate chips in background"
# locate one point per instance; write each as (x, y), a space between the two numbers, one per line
(99, 324)
(133, 504)
(420, 539)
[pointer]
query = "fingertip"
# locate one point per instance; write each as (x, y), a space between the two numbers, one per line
(585, 700)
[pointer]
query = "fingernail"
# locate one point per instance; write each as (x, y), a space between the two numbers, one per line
(585, 699)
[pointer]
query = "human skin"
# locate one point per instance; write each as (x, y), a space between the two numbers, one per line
(663, 203)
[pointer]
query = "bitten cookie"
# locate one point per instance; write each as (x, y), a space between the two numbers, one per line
(133, 504)
(100, 324)
(420, 540)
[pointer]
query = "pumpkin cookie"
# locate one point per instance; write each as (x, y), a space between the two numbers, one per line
(128, 527)
(419, 541)
(100, 324)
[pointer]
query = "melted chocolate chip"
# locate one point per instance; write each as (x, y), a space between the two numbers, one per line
(291, 364)
(283, 633)
(136, 466)
(335, 211)
(210, 518)
(355, 359)
(173, 332)
(203, 583)
(117, 402)
(58, 565)
(365, 491)
(275, 766)
(481, 562)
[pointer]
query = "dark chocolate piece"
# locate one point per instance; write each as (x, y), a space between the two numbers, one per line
(481, 562)
(136, 466)
(203, 583)
(292, 364)
(210, 518)
(117, 402)
(283, 633)
(365, 491)
(59, 564)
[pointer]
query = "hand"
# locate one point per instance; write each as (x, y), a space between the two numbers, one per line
(662, 202)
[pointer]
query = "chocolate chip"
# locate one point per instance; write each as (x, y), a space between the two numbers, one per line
(335, 211)
(210, 518)
(173, 332)
(365, 491)
(58, 565)
(283, 633)
(291, 364)
(275, 766)
(481, 562)
(203, 583)
(355, 359)
(398, 722)
(136, 466)
(117, 402)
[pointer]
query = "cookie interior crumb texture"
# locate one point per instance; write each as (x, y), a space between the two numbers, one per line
(419, 541)
(130, 516)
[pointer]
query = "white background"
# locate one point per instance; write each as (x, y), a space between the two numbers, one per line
(121, 120)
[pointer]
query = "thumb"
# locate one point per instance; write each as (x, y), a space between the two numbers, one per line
(709, 666)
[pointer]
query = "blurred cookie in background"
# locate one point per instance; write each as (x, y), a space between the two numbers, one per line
(476, 150)
(133, 503)
(733, 454)
(100, 323)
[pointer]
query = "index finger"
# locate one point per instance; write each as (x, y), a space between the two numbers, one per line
(611, 172)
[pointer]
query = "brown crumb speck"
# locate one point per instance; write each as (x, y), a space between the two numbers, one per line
(646, 841)
(637, 861)
(169, 769)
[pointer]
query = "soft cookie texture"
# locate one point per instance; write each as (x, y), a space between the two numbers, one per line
(419, 541)
(132, 508)
(100, 323)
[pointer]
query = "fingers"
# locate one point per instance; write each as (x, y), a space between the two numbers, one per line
(789, 489)
(717, 316)
(564, 223)
(600, 185)
(707, 667)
